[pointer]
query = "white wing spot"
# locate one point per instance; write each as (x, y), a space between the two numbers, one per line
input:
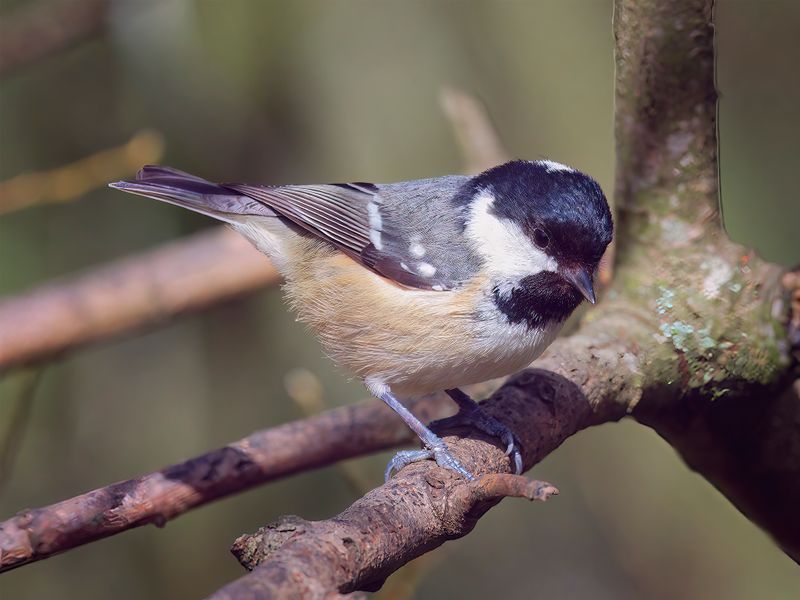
(426, 269)
(404, 266)
(417, 250)
(437, 288)
(552, 166)
(375, 225)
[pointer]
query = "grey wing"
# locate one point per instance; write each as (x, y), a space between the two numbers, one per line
(407, 232)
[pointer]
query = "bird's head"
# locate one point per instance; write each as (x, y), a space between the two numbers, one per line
(541, 228)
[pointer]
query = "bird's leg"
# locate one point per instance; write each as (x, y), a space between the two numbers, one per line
(471, 414)
(435, 447)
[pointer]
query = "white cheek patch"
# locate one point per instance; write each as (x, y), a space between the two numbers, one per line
(551, 166)
(509, 253)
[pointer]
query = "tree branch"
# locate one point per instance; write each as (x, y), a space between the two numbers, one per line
(75, 179)
(720, 313)
(476, 136)
(130, 294)
(327, 555)
(158, 497)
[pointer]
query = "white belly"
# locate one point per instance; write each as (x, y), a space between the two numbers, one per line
(496, 349)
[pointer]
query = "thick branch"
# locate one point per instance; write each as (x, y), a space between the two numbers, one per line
(665, 114)
(297, 558)
(130, 294)
(424, 506)
(720, 347)
(161, 496)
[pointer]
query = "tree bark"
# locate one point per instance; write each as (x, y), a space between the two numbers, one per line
(720, 357)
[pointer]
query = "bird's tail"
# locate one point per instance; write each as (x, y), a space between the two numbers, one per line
(196, 194)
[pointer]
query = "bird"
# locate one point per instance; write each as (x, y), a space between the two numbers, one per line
(421, 286)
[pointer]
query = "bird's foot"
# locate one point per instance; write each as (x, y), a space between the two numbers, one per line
(474, 416)
(437, 451)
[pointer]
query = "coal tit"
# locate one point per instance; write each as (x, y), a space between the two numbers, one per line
(423, 285)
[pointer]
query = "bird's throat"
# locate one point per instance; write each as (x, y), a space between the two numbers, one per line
(537, 300)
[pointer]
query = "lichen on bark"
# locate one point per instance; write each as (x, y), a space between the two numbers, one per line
(715, 331)
(719, 352)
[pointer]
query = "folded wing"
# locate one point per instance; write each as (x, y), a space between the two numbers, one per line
(404, 232)
(395, 234)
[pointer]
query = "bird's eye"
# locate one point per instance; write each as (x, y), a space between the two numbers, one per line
(540, 238)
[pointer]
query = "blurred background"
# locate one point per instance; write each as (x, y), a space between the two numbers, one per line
(314, 91)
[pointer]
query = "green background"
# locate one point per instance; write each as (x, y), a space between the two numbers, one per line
(301, 92)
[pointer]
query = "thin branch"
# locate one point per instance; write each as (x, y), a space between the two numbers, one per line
(306, 391)
(476, 135)
(163, 495)
(129, 295)
(42, 29)
(17, 425)
(72, 181)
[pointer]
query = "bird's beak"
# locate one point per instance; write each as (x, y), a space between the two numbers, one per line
(582, 280)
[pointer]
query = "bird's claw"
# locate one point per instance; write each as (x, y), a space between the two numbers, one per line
(447, 461)
(437, 451)
(476, 417)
